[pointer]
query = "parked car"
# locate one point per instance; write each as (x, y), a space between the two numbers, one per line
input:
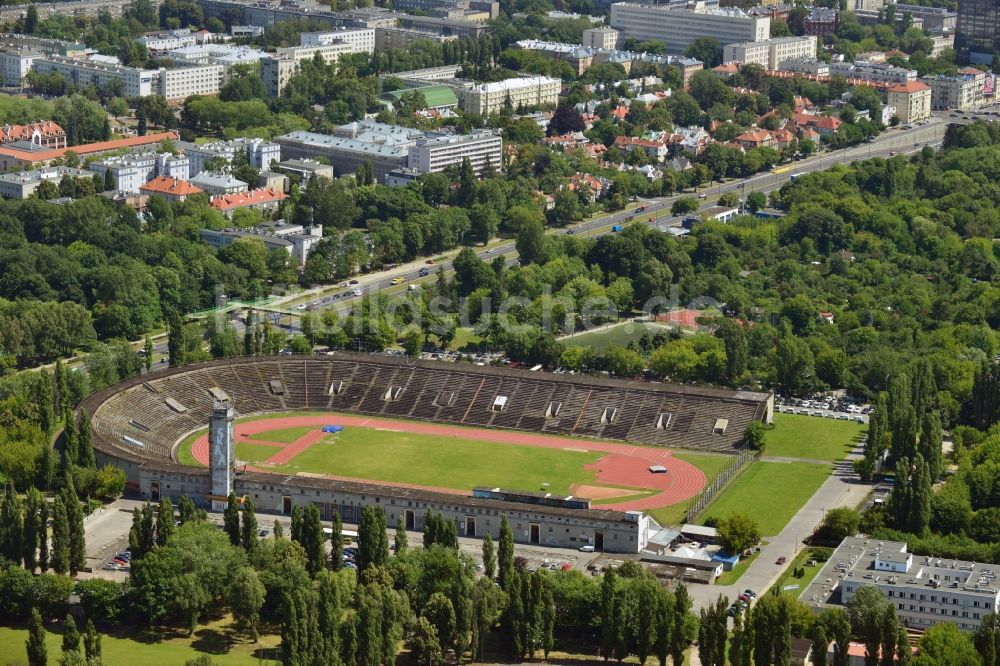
(586, 549)
(781, 560)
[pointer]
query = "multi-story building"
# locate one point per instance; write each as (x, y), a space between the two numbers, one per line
(810, 66)
(519, 93)
(171, 189)
(361, 40)
(23, 154)
(963, 91)
(22, 185)
(392, 148)
(219, 183)
(678, 24)
(266, 199)
(444, 26)
(131, 172)
(820, 21)
(170, 40)
(173, 84)
(770, 53)
(876, 72)
(417, 78)
(15, 64)
(932, 19)
(215, 54)
(260, 153)
(405, 38)
(490, 7)
(977, 33)
(295, 239)
(74, 9)
(924, 590)
(940, 43)
(304, 170)
(44, 134)
(600, 38)
(581, 58)
(483, 149)
(912, 101)
(278, 69)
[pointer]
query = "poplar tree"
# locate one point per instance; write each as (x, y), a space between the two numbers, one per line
(60, 537)
(43, 538)
(71, 635)
(337, 544)
(11, 526)
(399, 539)
(489, 558)
(33, 530)
(231, 519)
(312, 541)
(70, 440)
(92, 643)
(85, 442)
(45, 400)
(141, 537)
(373, 543)
(248, 530)
(164, 522)
(505, 553)
(37, 652)
(74, 519)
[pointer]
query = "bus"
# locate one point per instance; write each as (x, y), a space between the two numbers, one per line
(347, 536)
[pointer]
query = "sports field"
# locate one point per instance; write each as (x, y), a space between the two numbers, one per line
(616, 336)
(810, 437)
(456, 459)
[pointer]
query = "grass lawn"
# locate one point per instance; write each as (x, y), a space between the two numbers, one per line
(821, 555)
(465, 340)
(798, 436)
(281, 435)
(734, 574)
(450, 462)
(254, 453)
(618, 336)
(161, 648)
(770, 493)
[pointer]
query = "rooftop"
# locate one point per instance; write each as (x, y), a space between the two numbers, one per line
(88, 148)
(909, 87)
(515, 84)
(264, 195)
(168, 185)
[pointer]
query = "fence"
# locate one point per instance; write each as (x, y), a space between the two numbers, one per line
(740, 462)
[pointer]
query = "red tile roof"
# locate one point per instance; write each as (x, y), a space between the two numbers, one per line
(87, 148)
(257, 197)
(756, 135)
(909, 87)
(10, 133)
(172, 186)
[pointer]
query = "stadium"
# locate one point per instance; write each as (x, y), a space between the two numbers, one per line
(557, 454)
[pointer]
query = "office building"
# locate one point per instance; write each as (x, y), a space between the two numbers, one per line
(361, 40)
(417, 78)
(405, 38)
(392, 148)
(924, 590)
(963, 91)
(15, 64)
(302, 171)
(600, 38)
(131, 172)
(22, 185)
(259, 152)
(912, 101)
(977, 34)
(678, 24)
(519, 93)
(820, 21)
(770, 53)
(295, 239)
(173, 84)
(278, 69)
(219, 183)
(444, 26)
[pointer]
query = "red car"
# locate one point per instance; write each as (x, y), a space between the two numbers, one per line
(781, 560)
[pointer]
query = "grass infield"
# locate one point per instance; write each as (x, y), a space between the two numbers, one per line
(798, 436)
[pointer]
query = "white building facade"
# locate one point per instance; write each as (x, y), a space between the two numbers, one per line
(361, 40)
(678, 25)
(483, 149)
(131, 172)
(488, 98)
(770, 53)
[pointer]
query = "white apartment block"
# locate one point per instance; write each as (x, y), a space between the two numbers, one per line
(813, 66)
(879, 72)
(678, 24)
(488, 98)
(362, 40)
(23, 184)
(131, 172)
(482, 148)
(260, 153)
(600, 38)
(956, 92)
(215, 54)
(925, 590)
(276, 70)
(770, 53)
(174, 84)
(15, 65)
(167, 41)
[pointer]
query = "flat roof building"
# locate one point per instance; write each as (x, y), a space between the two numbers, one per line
(21, 185)
(219, 183)
(259, 153)
(770, 53)
(678, 24)
(130, 172)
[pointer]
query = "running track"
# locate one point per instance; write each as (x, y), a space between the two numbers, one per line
(624, 464)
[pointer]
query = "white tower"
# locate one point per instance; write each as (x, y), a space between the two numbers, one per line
(222, 451)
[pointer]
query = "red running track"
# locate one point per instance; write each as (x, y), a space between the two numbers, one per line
(624, 464)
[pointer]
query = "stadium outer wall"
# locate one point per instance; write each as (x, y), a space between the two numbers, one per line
(153, 478)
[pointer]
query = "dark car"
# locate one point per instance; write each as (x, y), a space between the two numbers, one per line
(781, 560)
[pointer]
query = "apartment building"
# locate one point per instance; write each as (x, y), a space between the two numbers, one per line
(361, 40)
(219, 183)
(809, 66)
(444, 26)
(42, 134)
(977, 32)
(173, 84)
(912, 101)
(877, 72)
(260, 153)
(226, 55)
(172, 39)
(131, 172)
(295, 239)
(278, 69)
(405, 38)
(183, 82)
(963, 91)
(821, 21)
(483, 149)
(15, 65)
(925, 590)
(770, 53)
(518, 93)
(23, 184)
(678, 24)
(601, 38)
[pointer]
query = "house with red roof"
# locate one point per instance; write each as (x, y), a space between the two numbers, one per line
(755, 138)
(264, 199)
(657, 150)
(782, 138)
(44, 134)
(911, 99)
(171, 189)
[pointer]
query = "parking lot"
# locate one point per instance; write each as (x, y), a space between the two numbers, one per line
(823, 408)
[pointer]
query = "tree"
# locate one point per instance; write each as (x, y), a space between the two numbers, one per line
(441, 613)
(248, 528)
(91, 643)
(373, 542)
(838, 524)
(705, 49)
(336, 544)
(164, 521)
(819, 645)
(37, 652)
(11, 527)
(505, 554)
(425, 643)
(312, 540)
(231, 519)
(489, 557)
(85, 442)
(712, 633)
(60, 558)
(141, 536)
(565, 119)
(684, 205)
(737, 532)
(756, 201)
(246, 597)
(944, 644)
(71, 636)
(399, 539)
(530, 241)
(681, 633)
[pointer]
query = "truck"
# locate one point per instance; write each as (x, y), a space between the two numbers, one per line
(616, 228)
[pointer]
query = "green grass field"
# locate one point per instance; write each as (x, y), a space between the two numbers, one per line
(282, 435)
(821, 555)
(770, 493)
(798, 436)
(710, 465)
(163, 649)
(255, 453)
(618, 336)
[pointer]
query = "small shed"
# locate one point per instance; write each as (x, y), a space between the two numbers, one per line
(657, 469)
(699, 533)
(728, 561)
